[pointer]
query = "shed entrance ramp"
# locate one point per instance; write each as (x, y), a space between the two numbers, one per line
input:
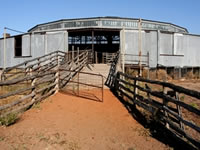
(91, 78)
(84, 84)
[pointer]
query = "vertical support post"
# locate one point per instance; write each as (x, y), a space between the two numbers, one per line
(148, 76)
(78, 55)
(33, 90)
(39, 65)
(165, 104)
(116, 84)
(123, 51)
(149, 97)
(179, 73)
(26, 70)
(33, 85)
(134, 90)
(192, 73)
(4, 48)
(31, 71)
(96, 61)
(140, 46)
(179, 111)
(72, 57)
(57, 81)
(93, 46)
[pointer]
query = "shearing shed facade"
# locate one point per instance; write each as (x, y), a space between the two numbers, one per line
(153, 43)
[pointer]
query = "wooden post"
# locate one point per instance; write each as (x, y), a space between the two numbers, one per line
(33, 90)
(96, 57)
(165, 104)
(179, 73)
(116, 84)
(39, 65)
(57, 81)
(78, 54)
(134, 91)
(179, 111)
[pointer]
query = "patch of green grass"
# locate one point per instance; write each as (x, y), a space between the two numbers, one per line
(1, 138)
(9, 119)
(182, 98)
(36, 106)
(194, 105)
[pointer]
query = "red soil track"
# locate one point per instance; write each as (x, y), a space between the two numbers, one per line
(68, 122)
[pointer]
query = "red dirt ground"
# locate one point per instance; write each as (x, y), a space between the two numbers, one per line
(68, 122)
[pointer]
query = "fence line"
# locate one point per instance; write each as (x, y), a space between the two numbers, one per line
(157, 102)
(24, 88)
(161, 99)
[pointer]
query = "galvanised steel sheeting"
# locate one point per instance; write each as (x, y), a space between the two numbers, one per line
(185, 51)
(148, 45)
(108, 22)
(33, 46)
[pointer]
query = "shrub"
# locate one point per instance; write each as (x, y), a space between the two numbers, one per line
(9, 119)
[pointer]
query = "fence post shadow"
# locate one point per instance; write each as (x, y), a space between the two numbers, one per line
(157, 130)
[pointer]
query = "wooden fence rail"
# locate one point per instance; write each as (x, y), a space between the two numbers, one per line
(37, 79)
(162, 100)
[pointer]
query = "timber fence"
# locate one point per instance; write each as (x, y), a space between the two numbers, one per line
(37, 79)
(166, 103)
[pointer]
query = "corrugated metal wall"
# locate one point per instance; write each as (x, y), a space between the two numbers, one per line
(33, 45)
(184, 50)
(165, 49)
(148, 45)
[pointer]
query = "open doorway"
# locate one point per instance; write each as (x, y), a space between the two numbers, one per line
(101, 41)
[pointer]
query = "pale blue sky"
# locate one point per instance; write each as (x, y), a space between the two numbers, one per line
(24, 14)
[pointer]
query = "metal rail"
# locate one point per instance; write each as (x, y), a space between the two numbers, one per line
(77, 75)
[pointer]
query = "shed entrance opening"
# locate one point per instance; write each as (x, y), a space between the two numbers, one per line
(102, 42)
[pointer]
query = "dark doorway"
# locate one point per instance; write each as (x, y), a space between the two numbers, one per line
(18, 46)
(100, 41)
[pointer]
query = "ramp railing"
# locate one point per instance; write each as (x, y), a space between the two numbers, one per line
(39, 64)
(37, 79)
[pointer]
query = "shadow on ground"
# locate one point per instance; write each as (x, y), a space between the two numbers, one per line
(83, 94)
(157, 130)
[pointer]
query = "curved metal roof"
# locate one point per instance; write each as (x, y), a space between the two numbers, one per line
(108, 22)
